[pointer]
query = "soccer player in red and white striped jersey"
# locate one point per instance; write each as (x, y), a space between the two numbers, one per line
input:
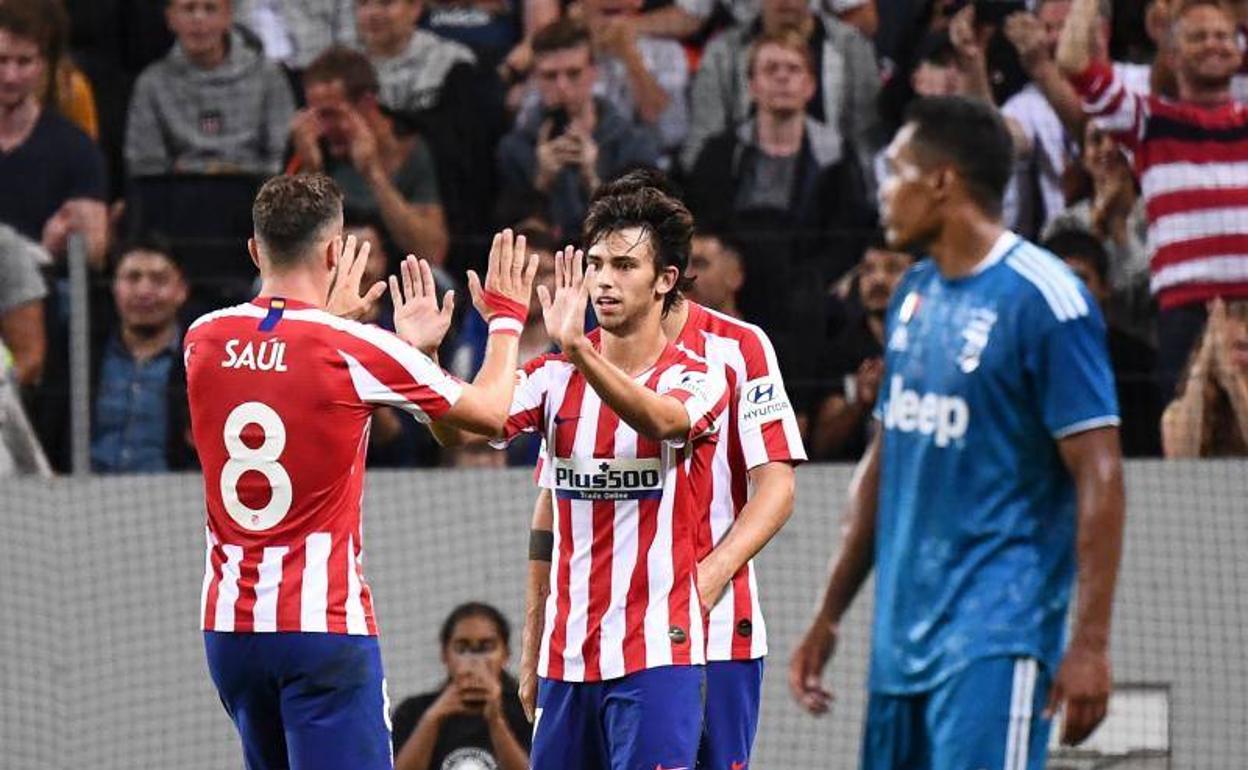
(281, 392)
(629, 422)
(1191, 156)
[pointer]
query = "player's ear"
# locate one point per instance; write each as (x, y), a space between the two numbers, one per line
(254, 251)
(332, 250)
(666, 280)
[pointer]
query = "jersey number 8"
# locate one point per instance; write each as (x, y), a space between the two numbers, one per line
(262, 460)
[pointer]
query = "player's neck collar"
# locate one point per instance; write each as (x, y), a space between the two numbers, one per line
(1003, 245)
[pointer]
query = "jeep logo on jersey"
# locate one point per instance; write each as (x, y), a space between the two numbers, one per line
(595, 478)
(765, 400)
(945, 418)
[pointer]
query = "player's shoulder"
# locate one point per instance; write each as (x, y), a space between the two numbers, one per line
(223, 319)
(707, 321)
(546, 362)
(1038, 283)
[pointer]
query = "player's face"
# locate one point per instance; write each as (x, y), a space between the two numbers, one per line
(200, 25)
(878, 275)
(386, 25)
(781, 82)
(475, 648)
(328, 101)
(1206, 47)
(627, 288)
(565, 78)
(21, 69)
(148, 291)
(718, 273)
(908, 203)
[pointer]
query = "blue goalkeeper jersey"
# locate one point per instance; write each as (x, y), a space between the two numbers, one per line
(975, 536)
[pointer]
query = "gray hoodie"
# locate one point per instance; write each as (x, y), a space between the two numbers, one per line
(234, 117)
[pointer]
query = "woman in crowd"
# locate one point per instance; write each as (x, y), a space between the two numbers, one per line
(474, 721)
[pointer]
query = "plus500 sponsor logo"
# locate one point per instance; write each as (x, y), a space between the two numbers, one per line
(944, 418)
(600, 479)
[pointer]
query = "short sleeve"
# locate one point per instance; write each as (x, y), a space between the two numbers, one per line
(386, 371)
(1067, 360)
(704, 394)
(766, 421)
(528, 404)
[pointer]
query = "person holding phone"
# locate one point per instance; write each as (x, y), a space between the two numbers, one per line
(474, 720)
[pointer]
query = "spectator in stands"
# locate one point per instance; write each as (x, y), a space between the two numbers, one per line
(294, 32)
(575, 141)
(1209, 416)
(717, 267)
(214, 104)
(140, 421)
(683, 19)
(21, 305)
(1133, 359)
(65, 87)
(1188, 154)
(852, 367)
(496, 31)
(345, 133)
(1108, 204)
(51, 174)
(847, 80)
(645, 77)
(782, 177)
(475, 718)
(414, 66)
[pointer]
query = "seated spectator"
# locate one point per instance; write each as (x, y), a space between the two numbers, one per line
(1209, 417)
(565, 149)
(717, 267)
(345, 133)
(213, 104)
(783, 178)
(1134, 361)
(140, 420)
(1109, 206)
(21, 306)
(51, 174)
(852, 367)
(294, 32)
(847, 80)
(645, 77)
(1186, 155)
(414, 66)
(475, 718)
(20, 452)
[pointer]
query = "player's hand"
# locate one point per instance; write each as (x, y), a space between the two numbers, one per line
(509, 273)
(417, 318)
(1081, 691)
(711, 582)
(564, 313)
(806, 668)
(345, 300)
(305, 136)
(528, 686)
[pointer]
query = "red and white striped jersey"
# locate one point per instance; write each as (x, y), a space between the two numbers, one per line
(280, 396)
(627, 510)
(1192, 163)
(761, 427)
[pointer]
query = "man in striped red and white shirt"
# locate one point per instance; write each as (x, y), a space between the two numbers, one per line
(281, 392)
(629, 423)
(1191, 156)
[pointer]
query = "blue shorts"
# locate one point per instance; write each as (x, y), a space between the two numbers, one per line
(986, 716)
(304, 701)
(647, 720)
(733, 689)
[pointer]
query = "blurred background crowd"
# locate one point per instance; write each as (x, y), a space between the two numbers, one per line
(134, 134)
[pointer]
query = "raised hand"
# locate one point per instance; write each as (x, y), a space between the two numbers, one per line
(417, 318)
(345, 300)
(564, 313)
(508, 279)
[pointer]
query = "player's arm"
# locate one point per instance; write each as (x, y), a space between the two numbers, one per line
(767, 510)
(1094, 459)
(541, 551)
(850, 567)
(657, 417)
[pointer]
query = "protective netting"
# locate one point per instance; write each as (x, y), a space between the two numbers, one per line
(101, 660)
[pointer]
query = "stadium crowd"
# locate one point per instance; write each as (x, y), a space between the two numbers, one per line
(143, 128)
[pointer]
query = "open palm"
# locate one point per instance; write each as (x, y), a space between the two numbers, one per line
(417, 318)
(564, 313)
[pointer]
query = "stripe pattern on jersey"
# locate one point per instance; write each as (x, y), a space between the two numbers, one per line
(1022, 700)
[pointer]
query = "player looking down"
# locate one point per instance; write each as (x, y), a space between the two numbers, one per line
(997, 467)
(281, 391)
(629, 422)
